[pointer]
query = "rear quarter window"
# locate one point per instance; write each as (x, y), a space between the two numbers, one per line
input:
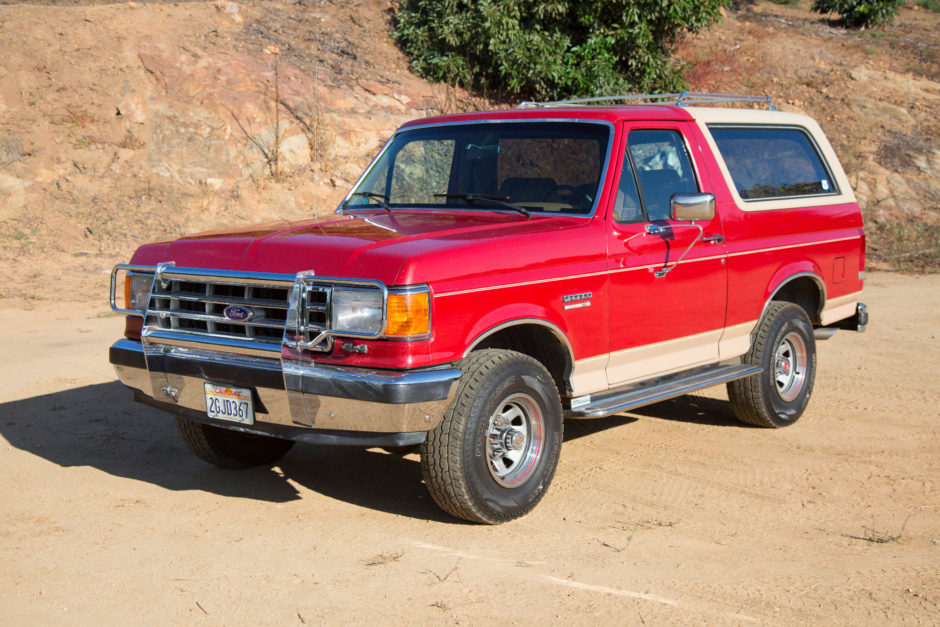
(772, 162)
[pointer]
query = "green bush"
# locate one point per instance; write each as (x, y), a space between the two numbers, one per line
(551, 49)
(860, 13)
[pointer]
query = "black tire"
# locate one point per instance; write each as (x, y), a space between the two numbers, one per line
(494, 454)
(786, 348)
(230, 449)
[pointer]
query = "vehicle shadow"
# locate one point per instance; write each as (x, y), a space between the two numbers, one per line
(99, 426)
(689, 408)
(576, 428)
(694, 409)
(369, 478)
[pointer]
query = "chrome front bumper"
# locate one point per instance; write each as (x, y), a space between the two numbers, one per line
(288, 393)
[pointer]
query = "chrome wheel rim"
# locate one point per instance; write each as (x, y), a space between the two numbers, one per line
(790, 366)
(514, 440)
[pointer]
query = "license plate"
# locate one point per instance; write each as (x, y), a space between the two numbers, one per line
(229, 403)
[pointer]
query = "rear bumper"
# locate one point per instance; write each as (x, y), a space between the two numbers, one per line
(858, 322)
(291, 398)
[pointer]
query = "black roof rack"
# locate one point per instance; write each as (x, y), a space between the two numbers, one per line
(683, 99)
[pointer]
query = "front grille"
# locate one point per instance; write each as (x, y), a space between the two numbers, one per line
(192, 303)
(196, 306)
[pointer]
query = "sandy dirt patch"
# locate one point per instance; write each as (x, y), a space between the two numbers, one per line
(668, 514)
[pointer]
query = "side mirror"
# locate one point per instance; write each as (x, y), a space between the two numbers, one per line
(693, 206)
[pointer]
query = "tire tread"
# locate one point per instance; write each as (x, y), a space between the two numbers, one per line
(747, 395)
(441, 452)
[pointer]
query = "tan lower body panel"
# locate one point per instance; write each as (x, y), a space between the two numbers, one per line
(839, 308)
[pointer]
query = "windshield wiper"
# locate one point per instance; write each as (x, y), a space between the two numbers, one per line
(380, 199)
(499, 200)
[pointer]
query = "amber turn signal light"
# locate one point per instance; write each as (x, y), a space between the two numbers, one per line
(409, 314)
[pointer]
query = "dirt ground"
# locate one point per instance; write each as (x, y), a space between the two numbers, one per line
(667, 515)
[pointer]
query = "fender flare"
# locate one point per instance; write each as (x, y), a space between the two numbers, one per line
(498, 321)
(786, 275)
(554, 329)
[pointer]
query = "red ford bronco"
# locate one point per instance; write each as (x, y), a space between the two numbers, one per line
(492, 274)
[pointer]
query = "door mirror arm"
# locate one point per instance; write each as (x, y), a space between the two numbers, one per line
(659, 229)
(684, 207)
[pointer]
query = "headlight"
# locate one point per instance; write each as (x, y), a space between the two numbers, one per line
(409, 314)
(357, 311)
(137, 291)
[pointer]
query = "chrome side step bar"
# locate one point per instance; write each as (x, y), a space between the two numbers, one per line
(660, 389)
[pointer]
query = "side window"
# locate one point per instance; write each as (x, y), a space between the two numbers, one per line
(627, 206)
(768, 163)
(663, 168)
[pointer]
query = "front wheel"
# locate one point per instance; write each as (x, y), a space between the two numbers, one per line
(494, 453)
(226, 448)
(785, 347)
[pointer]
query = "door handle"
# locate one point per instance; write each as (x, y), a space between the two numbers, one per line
(714, 239)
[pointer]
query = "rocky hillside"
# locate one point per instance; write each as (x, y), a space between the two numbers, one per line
(121, 123)
(875, 93)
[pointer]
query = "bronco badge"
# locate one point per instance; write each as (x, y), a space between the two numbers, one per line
(576, 301)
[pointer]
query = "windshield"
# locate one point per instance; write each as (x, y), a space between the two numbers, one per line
(530, 167)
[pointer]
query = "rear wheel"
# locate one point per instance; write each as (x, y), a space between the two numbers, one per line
(784, 345)
(226, 448)
(494, 454)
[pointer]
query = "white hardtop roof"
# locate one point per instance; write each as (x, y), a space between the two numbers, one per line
(722, 115)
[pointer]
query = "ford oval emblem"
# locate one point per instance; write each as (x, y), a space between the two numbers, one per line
(237, 313)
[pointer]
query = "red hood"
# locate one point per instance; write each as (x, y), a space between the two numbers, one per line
(374, 246)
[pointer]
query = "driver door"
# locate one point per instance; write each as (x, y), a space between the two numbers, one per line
(664, 317)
